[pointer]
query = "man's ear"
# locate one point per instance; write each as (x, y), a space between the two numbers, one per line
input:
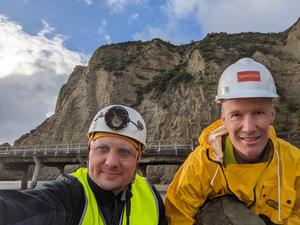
(222, 114)
(273, 113)
(88, 151)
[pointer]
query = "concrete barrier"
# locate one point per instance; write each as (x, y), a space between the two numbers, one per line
(162, 189)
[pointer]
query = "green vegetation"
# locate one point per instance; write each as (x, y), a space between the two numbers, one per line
(164, 81)
(293, 107)
(287, 116)
(221, 46)
(117, 62)
(140, 94)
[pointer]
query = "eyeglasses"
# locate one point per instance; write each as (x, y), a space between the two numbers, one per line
(123, 154)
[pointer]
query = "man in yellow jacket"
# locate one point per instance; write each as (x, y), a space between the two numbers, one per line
(240, 155)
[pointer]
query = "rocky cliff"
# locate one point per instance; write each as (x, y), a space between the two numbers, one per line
(172, 86)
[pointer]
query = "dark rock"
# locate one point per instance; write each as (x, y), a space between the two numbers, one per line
(227, 211)
(161, 174)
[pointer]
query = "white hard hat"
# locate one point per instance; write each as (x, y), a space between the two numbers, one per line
(121, 120)
(246, 78)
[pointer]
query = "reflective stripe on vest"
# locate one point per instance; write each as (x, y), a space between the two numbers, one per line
(144, 206)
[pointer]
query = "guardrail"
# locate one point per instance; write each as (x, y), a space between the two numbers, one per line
(153, 147)
(45, 150)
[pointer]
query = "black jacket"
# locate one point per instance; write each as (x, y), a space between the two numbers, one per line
(61, 202)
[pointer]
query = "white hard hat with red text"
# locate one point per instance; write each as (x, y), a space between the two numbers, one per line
(246, 78)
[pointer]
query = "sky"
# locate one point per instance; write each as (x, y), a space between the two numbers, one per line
(41, 41)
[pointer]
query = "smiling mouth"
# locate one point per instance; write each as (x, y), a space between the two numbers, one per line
(250, 139)
(109, 173)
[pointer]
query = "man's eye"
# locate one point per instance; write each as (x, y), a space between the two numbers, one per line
(101, 149)
(259, 113)
(235, 115)
(124, 152)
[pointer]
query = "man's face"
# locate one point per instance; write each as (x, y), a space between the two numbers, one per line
(112, 163)
(248, 122)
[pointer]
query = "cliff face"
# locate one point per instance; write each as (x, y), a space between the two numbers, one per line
(172, 86)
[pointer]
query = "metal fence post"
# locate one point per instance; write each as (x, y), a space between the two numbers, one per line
(45, 150)
(56, 150)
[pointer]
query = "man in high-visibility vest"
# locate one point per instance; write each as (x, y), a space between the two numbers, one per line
(108, 191)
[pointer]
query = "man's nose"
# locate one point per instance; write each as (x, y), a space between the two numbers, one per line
(112, 159)
(249, 124)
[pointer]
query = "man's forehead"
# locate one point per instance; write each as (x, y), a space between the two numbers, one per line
(113, 140)
(253, 103)
(242, 100)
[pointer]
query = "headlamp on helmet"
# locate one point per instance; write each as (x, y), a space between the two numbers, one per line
(117, 118)
(120, 120)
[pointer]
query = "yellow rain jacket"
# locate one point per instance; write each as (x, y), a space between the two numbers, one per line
(270, 188)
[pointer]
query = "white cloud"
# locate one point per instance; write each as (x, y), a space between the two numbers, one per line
(226, 16)
(118, 6)
(33, 68)
(152, 32)
(89, 2)
(183, 9)
(170, 31)
(105, 37)
(47, 29)
(26, 101)
(23, 54)
(132, 18)
(237, 15)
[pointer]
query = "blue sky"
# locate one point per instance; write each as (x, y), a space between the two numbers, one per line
(42, 40)
(88, 24)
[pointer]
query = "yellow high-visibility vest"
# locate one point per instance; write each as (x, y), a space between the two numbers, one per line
(143, 208)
